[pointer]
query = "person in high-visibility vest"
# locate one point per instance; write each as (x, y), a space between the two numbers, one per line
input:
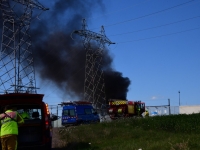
(10, 120)
(25, 114)
(146, 113)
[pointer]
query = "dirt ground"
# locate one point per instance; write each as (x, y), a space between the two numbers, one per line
(57, 144)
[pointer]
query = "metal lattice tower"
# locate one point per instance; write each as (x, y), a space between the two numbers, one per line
(17, 72)
(94, 85)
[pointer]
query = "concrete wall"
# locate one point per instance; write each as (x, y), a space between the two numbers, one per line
(57, 123)
(189, 109)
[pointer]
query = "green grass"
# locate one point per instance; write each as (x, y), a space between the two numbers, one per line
(174, 132)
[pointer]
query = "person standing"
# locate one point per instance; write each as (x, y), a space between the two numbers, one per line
(146, 113)
(10, 120)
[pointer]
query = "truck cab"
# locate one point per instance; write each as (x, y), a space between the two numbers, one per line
(78, 112)
(35, 133)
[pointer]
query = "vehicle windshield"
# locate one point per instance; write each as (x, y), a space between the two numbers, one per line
(88, 111)
(69, 112)
(142, 106)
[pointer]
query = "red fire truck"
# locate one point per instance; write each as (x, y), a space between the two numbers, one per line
(124, 108)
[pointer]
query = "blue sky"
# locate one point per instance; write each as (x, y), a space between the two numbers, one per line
(157, 48)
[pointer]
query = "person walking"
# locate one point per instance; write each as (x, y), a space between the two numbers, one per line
(10, 120)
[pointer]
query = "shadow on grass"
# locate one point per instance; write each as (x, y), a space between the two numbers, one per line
(78, 146)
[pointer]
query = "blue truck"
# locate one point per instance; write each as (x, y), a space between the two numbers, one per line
(78, 112)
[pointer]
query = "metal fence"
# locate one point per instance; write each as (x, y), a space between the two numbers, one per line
(162, 110)
(158, 110)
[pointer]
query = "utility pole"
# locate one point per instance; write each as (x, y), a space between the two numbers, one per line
(94, 85)
(179, 98)
(16, 56)
(57, 115)
(169, 106)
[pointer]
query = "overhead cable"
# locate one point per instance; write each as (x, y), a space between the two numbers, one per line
(159, 36)
(150, 14)
(155, 26)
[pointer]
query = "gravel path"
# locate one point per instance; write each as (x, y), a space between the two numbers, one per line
(56, 142)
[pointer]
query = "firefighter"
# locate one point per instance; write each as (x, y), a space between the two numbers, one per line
(10, 120)
(146, 113)
(138, 110)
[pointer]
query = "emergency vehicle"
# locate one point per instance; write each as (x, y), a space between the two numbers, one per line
(78, 112)
(35, 133)
(124, 108)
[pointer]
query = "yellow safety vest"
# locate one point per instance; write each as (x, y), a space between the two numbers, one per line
(9, 123)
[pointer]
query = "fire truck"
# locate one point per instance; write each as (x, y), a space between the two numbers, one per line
(124, 108)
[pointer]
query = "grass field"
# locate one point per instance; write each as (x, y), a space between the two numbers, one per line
(174, 132)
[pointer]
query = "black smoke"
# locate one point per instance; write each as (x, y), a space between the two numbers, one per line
(60, 59)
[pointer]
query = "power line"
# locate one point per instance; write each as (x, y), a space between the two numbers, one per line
(150, 14)
(159, 36)
(155, 26)
(117, 10)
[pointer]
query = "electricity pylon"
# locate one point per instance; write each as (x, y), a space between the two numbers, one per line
(17, 72)
(94, 85)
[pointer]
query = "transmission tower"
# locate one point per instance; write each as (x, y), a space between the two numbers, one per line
(17, 72)
(94, 85)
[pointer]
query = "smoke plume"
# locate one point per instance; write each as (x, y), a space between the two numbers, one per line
(60, 59)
